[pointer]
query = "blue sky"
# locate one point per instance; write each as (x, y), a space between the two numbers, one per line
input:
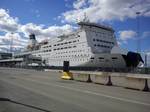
(49, 18)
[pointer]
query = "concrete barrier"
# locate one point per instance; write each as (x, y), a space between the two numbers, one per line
(148, 81)
(101, 78)
(137, 82)
(118, 79)
(81, 77)
(127, 80)
(51, 70)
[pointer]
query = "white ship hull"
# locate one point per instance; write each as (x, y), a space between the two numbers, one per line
(99, 60)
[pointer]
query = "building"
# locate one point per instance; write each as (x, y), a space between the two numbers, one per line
(4, 55)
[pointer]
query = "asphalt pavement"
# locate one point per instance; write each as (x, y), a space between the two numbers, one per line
(23, 90)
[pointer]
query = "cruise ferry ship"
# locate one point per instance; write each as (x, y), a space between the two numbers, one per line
(91, 45)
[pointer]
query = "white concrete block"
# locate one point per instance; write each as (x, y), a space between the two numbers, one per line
(101, 78)
(136, 82)
(81, 77)
(118, 79)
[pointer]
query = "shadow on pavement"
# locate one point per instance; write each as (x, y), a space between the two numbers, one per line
(26, 105)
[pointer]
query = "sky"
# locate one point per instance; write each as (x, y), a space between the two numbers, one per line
(50, 18)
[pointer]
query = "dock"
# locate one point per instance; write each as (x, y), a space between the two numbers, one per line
(46, 90)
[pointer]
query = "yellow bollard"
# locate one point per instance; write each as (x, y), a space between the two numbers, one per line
(67, 75)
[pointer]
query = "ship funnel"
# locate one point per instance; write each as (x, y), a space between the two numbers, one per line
(32, 37)
(32, 42)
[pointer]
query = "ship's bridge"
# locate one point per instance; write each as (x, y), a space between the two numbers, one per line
(96, 25)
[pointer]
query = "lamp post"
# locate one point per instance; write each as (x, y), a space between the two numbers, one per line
(138, 32)
(146, 60)
(11, 42)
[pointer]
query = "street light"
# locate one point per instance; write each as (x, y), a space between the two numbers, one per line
(146, 54)
(11, 43)
(138, 32)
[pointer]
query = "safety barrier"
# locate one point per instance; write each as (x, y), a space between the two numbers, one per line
(118, 79)
(148, 81)
(81, 77)
(127, 80)
(101, 78)
(137, 82)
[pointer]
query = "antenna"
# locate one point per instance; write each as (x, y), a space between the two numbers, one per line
(85, 18)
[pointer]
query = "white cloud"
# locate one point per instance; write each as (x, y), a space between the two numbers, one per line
(127, 34)
(31, 28)
(146, 34)
(7, 23)
(79, 4)
(15, 39)
(100, 10)
(44, 33)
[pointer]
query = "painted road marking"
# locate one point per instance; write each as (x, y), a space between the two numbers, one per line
(78, 90)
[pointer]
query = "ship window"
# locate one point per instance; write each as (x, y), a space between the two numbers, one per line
(92, 58)
(93, 39)
(100, 58)
(78, 35)
(114, 57)
(94, 44)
